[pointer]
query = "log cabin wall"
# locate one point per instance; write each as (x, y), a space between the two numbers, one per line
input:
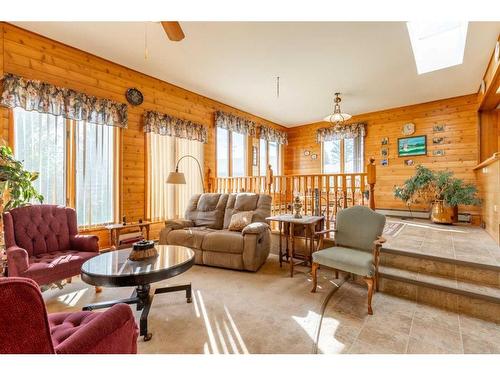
(36, 57)
(461, 144)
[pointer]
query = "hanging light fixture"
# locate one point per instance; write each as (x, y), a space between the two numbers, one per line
(337, 117)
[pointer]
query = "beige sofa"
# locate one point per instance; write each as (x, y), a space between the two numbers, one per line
(205, 230)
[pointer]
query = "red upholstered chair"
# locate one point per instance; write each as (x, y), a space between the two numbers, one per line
(27, 329)
(43, 243)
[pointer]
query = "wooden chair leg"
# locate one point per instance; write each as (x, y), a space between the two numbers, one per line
(336, 274)
(68, 280)
(376, 282)
(98, 289)
(314, 271)
(370, 282)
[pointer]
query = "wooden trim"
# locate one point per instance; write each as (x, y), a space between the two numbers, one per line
(490, 160)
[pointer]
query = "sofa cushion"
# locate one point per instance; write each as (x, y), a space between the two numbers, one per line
(57, 265)
(355, 261)
(246, 201)
(223, 241)
(63, 325)
(240, 220)
(189, 237)
(260, 204)
(207, 210)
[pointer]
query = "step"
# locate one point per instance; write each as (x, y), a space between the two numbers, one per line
(461, 296)
(432, 265)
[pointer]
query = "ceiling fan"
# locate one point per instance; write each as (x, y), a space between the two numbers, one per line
(173, 30)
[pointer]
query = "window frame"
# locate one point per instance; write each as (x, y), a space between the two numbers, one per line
(342, 158)
(230, 154)
(266, 156)
(71, 155)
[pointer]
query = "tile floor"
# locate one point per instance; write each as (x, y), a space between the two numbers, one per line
(459, 241)
(400, 326)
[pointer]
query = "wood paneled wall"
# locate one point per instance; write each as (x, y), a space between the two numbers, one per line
(490, 133)
(488, 179)
(461, 145)
(36, 57)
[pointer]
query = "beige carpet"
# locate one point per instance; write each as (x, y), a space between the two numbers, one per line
(231, 312)
(269, 312)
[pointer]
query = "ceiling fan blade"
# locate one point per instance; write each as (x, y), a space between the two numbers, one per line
(173, 30)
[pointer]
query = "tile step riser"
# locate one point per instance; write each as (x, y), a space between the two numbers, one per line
(442, 268)
(457, 300)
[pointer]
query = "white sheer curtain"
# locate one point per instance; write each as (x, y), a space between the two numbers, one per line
(94, 174)
(167, 201)
(40, 143)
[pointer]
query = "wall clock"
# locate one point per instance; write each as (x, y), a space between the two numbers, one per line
(134, 96)
(409, 128)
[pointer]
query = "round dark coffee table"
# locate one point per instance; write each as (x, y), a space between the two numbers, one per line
(114, 269)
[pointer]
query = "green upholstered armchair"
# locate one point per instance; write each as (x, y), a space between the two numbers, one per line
(356, 247)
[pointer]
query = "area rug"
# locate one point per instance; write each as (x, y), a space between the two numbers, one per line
(392, 229)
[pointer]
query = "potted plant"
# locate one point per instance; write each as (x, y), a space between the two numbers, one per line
(441, 190)
(16, 183)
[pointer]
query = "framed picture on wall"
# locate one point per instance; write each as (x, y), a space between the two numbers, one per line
(412, 146)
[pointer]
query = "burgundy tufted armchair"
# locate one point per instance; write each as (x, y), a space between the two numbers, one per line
(43, 243)
(27, 329)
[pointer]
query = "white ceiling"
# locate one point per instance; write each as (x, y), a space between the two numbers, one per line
(371, 63)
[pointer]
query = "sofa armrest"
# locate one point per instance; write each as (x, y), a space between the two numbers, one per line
(255, 228)
(113, 331)
(17, 260)
(84, 242)
(178, 223)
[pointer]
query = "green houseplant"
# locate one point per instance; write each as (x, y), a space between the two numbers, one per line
(16, 183)
(439, 189)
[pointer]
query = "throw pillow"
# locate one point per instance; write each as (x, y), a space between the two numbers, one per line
(240, 220)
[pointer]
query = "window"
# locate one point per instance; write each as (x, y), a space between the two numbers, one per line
(75, 161)
(231, 153)
(167, 201)
(269, 155)
(94, 173)
(222, 152)
(238, 155)
(40, 143)
(343, 155)
(437, 45)
(263, 157)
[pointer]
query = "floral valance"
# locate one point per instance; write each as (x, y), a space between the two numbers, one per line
(273, 135)
(163, 124)
(341, 132)
(33, 95)
(234, 123)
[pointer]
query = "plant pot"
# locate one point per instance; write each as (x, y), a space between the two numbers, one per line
(443, 214)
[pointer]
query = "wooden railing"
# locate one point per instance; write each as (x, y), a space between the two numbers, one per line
(320, 194)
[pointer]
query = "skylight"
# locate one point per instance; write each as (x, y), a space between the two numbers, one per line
(437, 45)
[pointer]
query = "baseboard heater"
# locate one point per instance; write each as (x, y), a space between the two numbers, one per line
(464, 218)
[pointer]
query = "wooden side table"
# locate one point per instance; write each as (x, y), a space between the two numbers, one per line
(286, 226)
(116, 229)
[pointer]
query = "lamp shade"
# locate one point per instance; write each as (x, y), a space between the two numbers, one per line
(176, 178)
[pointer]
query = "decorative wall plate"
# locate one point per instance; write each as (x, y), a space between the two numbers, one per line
(409, 128)
(314, 156)
(307, 153)
(134, 96)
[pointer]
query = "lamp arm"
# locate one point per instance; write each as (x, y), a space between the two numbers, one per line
(199, 168)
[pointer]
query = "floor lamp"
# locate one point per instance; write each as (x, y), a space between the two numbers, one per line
(178, 178)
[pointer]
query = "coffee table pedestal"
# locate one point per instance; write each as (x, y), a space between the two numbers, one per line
(142, 297)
